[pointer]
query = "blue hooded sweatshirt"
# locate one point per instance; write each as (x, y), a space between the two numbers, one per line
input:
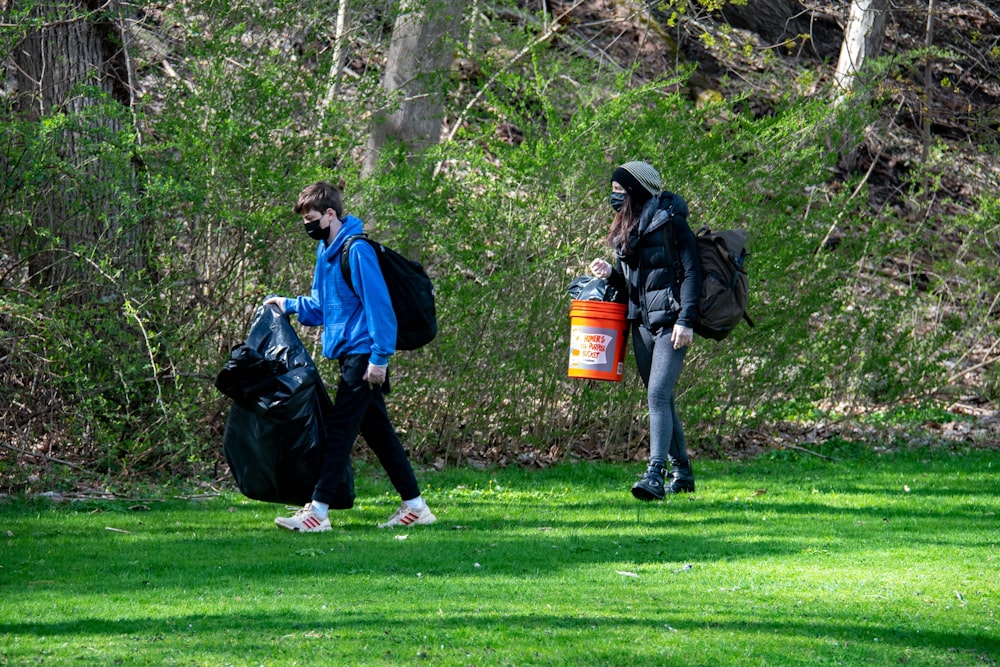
(362, 323)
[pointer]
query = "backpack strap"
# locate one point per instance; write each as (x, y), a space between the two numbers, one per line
(670, 248)
(345, 260)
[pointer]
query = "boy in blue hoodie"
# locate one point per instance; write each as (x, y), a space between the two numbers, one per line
(359, 332)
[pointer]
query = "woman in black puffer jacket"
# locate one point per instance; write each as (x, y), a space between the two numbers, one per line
(657, 257)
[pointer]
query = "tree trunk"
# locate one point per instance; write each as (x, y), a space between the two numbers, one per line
(863, 38)
(420, 54)
(928, 84)
(778, 21)
(69, 64)
(333, 86)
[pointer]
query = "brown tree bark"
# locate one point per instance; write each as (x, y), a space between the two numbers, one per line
(71, 62)
(779, 21)
(420, 54)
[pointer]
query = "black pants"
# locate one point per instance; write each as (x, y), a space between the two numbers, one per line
(359, 408)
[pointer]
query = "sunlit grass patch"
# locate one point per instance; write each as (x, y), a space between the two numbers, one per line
(786, 560)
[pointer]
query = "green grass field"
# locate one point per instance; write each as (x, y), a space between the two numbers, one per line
(785, 560)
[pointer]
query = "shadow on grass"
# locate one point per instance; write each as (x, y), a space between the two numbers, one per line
(257, 631)
(527, 541)
(509, 537)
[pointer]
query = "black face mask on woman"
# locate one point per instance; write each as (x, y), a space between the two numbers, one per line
(617, 200)
(314, 231)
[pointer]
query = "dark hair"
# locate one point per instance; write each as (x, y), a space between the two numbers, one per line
(319, 197)
(624, 221)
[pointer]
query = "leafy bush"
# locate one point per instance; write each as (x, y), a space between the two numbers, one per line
(113, 371)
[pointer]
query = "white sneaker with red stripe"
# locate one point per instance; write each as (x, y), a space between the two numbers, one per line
(407, 516)
(304, 521)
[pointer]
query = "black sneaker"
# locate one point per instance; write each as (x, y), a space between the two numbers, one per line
(650, 487)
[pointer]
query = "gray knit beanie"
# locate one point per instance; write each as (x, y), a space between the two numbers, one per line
(647, 176)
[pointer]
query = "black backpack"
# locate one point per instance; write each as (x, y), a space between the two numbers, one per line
(725, 286)
(410, 289)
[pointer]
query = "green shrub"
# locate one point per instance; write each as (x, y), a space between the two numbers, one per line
(852, 309)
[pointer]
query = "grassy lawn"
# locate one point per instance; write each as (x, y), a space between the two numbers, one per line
(786, 560)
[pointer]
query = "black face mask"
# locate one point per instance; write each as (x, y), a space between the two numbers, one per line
(314, 231)
(617, 200)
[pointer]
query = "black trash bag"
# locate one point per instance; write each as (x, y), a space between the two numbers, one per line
(274, 433)
(249, 375)
(590, 288)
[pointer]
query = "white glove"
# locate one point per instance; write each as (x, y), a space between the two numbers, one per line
(375, 375)
(277, 301)
(600, 268)
(681, 336)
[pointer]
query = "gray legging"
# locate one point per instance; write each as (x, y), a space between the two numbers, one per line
(660, 366)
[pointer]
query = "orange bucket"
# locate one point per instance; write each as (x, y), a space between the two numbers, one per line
(597, 340)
